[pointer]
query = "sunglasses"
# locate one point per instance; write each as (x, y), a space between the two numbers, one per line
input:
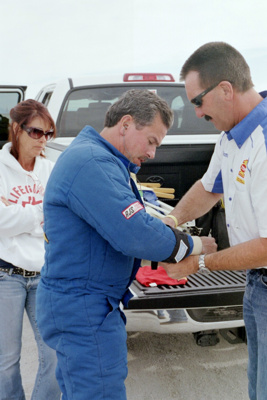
(36, 133)
(197, 101)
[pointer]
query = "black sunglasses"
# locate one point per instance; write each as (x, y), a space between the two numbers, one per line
(36, 133)
(197, 101)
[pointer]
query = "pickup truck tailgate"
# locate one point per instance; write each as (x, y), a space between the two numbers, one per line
(218, 289)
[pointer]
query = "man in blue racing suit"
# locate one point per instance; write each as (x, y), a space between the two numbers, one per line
(96, 231)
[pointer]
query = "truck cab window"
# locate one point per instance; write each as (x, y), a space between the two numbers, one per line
(47, 98)
(8, 100)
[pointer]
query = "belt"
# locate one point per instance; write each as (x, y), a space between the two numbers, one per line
(20, 271)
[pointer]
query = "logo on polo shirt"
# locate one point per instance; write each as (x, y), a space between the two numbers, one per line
(242, 171)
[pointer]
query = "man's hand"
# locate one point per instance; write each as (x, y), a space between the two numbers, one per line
(208, 245)
(189, 265)
(184, 268)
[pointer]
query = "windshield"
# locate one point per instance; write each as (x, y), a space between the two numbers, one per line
(88, 106)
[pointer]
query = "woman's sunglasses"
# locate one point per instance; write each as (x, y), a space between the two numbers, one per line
(36, 133)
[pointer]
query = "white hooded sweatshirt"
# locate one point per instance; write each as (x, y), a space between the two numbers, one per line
(21, 233)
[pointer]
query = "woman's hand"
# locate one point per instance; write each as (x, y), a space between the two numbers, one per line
(5, 201)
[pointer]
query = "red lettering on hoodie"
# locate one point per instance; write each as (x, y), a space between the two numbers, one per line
(22, 190)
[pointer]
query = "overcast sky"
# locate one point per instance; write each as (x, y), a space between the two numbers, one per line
(46, 40)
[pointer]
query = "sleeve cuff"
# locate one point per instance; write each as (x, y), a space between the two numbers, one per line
(182, 248)
(197, 249)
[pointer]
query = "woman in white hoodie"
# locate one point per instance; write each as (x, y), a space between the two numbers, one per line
(24, 172)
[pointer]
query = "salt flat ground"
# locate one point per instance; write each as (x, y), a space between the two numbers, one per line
(168, 367)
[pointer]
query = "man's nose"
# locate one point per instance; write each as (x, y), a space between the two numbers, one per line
(199, 112)
(151, 154)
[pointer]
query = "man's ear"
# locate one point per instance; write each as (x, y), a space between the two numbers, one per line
(125, 121)
(228, 89)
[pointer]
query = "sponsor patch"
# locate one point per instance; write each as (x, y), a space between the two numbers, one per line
(181, 252)
(242, 171)
(133, 208)
(240, 180)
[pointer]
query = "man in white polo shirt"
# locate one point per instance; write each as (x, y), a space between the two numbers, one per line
(218, 83)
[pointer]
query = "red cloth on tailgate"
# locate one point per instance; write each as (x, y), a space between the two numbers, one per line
(146, 276)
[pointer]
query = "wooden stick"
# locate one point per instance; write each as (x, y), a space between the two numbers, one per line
(165, 190)
(156, 189)
(152, 185)
(164, 195)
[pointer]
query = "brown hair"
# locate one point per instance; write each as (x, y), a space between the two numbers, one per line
(23, 113)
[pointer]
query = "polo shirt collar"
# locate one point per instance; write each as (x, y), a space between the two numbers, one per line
(244, 128)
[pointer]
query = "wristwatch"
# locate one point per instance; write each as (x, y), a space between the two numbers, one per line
(201, 265)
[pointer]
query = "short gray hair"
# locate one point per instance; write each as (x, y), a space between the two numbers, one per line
(142, 105)
(216, 62)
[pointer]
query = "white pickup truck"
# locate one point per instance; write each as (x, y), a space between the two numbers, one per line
(205, 305)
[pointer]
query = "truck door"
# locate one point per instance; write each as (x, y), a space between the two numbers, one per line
(9, 97)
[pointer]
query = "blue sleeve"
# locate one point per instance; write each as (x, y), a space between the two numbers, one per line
(101, 195)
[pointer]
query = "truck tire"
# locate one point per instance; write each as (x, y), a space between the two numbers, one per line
(206, 338)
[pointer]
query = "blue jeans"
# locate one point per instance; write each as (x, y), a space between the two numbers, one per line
(255, 317)
(17, 293)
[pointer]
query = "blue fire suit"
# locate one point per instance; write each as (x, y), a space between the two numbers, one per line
(95, 225)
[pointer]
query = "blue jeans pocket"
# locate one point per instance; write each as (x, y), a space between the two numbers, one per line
(264, 280)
